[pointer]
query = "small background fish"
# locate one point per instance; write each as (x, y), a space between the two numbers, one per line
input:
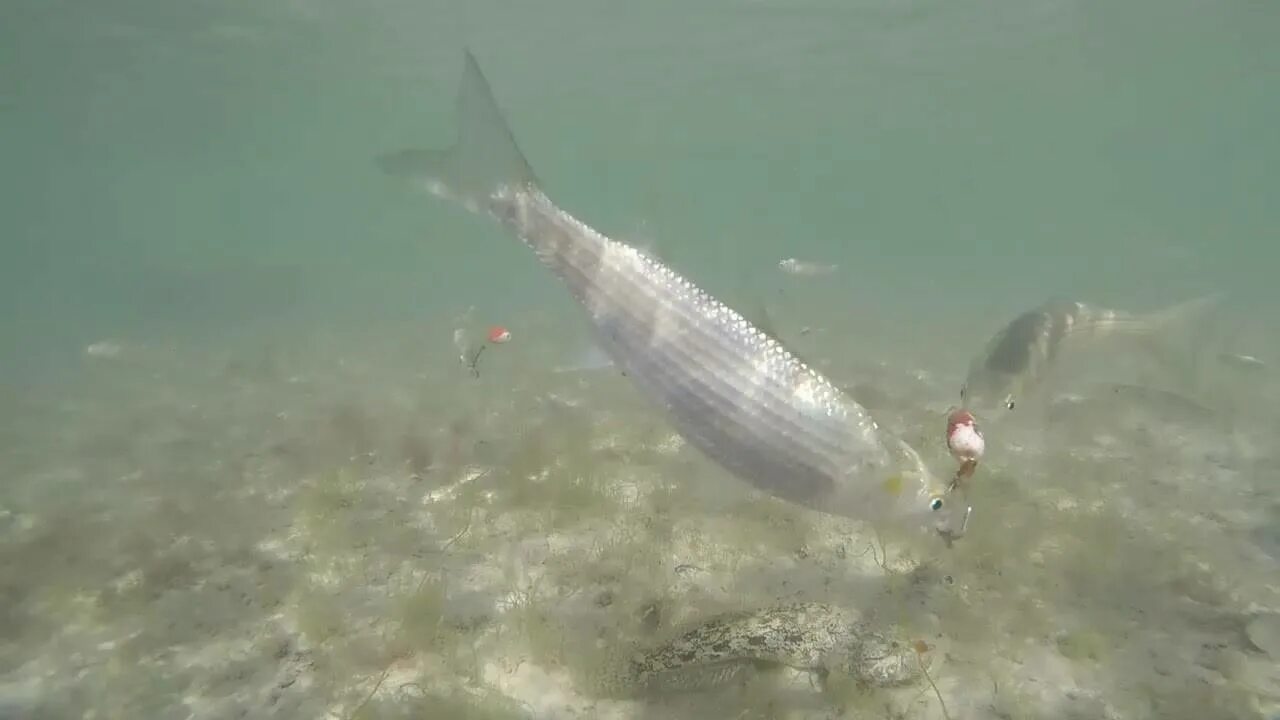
(1045, 345)
(804, 267)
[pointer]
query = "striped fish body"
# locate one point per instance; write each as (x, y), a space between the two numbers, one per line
(730, 389)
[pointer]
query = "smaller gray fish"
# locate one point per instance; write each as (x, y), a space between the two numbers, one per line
(814, 637)
(1018, 358)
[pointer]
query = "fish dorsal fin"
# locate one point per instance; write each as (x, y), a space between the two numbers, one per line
(765, 323)
(642, 240)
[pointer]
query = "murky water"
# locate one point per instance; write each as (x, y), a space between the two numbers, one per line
(246, 475)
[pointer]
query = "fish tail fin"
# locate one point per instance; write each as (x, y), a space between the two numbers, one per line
(484, 159)
(1182, 312)
(1175, 338)
(1149, 324)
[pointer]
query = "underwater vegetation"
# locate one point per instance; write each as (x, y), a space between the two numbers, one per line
(309, 538)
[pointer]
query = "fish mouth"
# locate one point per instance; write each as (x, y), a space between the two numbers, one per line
(956, 525)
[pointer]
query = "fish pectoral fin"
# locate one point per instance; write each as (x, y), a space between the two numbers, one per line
(763, 320)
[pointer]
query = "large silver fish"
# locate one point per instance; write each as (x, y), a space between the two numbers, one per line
(731, 390)
(1016, 361)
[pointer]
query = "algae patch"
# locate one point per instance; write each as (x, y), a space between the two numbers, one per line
(1083, 645)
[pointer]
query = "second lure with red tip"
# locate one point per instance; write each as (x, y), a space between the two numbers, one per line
(965, 441)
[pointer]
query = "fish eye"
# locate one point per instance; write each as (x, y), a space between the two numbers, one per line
(935, 504)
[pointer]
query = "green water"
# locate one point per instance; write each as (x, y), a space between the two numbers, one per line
(194, 183)
(996, 151)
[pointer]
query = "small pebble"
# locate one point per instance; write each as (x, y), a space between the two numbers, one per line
(650, 617)
(1229, 663)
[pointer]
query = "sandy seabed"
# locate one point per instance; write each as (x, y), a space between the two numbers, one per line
(342, 526)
